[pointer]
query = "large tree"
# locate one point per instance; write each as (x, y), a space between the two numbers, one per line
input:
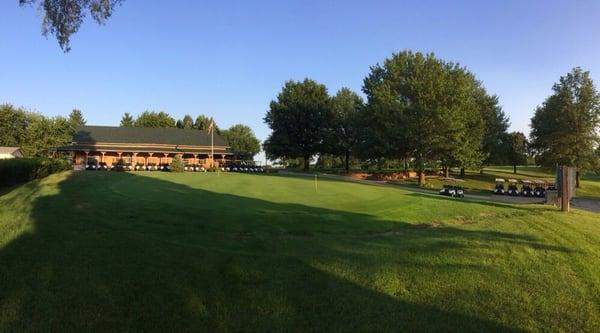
(298, 119)
(345, 125)
(564, 129)
(154, 119)
(495, 137)
(127, 120)
(425, 108)
(202, 122)
(62, 18)
(242, 140)
(516, 149)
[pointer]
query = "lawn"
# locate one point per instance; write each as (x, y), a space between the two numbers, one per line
(474, 181)
(110, 251)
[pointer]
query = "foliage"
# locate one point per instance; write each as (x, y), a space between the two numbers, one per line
(154, 119)
(202, 122)
(127, 120)
(345, 130)
(517, 149)
(177, 164)
(34, 133)
(242, 139)
(564, 129)
(424, 107)
(119, 165)
(20, 170)
(76, 118)
(495, 129)
(186, 123)
(298, 119)
(63, 18)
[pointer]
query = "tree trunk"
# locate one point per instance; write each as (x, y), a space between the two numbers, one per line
(347, 161)
(306, 163)
(462, 171)
(446, 172)
(577, 179)
(515, 169)
(421, 177)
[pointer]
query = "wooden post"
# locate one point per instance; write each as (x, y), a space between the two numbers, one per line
(564, 200)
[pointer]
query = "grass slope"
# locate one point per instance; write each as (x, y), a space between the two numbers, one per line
(107, 251)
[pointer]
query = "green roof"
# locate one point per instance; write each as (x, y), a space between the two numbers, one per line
(131, 135)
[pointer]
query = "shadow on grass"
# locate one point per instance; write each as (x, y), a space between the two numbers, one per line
(121, 252)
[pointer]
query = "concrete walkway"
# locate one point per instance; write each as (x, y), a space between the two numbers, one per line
(581, 203)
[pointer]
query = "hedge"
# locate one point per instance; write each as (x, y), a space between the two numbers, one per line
(20, 170)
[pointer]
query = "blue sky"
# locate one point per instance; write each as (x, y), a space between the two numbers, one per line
(228, 59)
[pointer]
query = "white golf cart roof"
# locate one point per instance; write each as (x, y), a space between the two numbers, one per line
(500, 180)
(525, 181)
(512, 181)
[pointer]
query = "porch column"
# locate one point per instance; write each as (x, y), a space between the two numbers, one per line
(134, 158)
(102, 158)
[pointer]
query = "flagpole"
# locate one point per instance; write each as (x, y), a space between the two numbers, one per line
(212, 144)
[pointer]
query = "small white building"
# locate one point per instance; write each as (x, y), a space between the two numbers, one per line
(10, 152)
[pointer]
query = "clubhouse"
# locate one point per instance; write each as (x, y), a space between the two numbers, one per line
(145, 146)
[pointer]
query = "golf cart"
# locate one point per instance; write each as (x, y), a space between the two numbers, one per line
(512, 190)
(452, 191)
(499, 188)
(540, 189)
(526, 189)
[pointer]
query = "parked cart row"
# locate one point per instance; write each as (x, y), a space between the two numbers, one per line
(528, 188)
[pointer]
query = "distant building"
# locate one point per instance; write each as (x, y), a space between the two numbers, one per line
(139, 145)
(10, 152)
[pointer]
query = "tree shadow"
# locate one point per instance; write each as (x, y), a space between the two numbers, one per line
(118, 252)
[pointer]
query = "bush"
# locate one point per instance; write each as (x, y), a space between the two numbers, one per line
(176, 164)
(119, 165)
(20, 170)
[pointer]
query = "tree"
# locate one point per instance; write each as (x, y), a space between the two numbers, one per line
(495, 137)
(517, 148)
(426, 108)
(298, 121)
(186, 123)
(345, 125)
(13, 125)
(177, 164)
(564, 129)
(127, 120)
(76, 118)
(154, 119)
(63, 18)
(242, 139)
(202, 122)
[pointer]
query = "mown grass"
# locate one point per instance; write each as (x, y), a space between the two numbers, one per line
(114, 251)
(475, 181)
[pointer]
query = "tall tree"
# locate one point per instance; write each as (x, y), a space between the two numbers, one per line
(564, 129)
(241, 139)
(425, 107)
(154, 119)
(345, 125)
(63, 18)
(127, 120)
(76, 118)
(496, 130)
(517, 148)
(298, 120)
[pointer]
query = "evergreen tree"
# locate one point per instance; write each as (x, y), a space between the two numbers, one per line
(127, 120)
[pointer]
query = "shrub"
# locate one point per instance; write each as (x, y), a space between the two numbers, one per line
(119, 165)
(20, 170)
(176, 164)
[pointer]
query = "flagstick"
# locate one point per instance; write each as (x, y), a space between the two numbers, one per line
(316, 187)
